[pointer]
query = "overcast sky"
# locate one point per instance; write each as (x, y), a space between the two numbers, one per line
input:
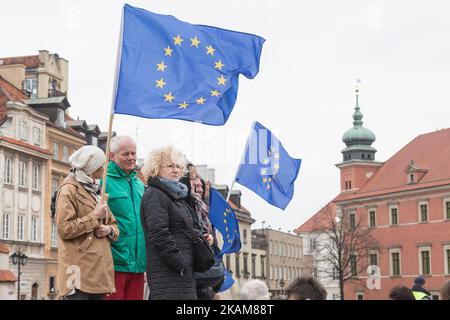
(304, 92)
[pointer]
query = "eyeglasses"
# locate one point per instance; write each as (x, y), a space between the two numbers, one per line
(171, 166)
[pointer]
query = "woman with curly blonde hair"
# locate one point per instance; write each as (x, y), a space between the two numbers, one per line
(170, 274)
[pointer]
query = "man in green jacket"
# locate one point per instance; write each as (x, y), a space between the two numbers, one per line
(125, 191)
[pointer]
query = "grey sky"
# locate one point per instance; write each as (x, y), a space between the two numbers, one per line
(304, 92)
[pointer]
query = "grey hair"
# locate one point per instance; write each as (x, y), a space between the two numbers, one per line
(115, 142)
(255, 290)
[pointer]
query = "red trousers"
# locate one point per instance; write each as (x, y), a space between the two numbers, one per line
(129, 286)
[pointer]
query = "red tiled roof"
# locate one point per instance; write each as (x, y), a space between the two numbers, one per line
(311, 224)
(28, 61)
(429, 151)
(23, 144)
(4, 249)
(8, 92)
(235, 207)
(7, 276)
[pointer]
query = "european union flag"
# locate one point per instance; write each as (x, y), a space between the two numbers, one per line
(267, 169)
(224, 220)
(227, 282)
(171, 69)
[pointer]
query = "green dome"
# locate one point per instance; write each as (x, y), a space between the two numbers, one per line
(358, 134)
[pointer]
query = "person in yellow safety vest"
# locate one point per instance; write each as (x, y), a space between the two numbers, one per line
(419, 292)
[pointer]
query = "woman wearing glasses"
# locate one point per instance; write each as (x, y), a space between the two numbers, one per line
(170, 273)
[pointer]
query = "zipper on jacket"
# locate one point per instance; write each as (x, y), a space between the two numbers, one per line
(136, 225)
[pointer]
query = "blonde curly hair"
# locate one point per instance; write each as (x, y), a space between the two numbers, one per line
(153, 164)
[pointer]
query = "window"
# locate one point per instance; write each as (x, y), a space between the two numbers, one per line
(20, 227)
(8, 171)
(425, 260)
(394, 216)
(5, 226)
(55, 151)
(372, 219)
(315, 273)
(352, 220)
(360, 296)
(34, 291)
(272, 273)
(312, 244)
(335, 274)
(66, 154)
(23, 130)
(353, 265)
(271, 247)
(349, 184)
(411, 177)
(237, 265)
(423, 212)
(22, 174)
(435, 296)
(447, 259)
(36, 180)
(395, 262)
(36, 136)
(94, 141)
(263, 267)
(52, 284)
(246, 274)
(447, 209)
(34, 229)
(363, 156)
(373, 259)
(335, 296)
(55, 185)
(54, 239)
(30, 87)
(245, 236)
(254, 265)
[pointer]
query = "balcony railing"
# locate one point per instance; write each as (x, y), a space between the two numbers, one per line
(55, 93)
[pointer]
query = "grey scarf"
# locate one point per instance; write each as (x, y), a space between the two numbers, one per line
(178, 189)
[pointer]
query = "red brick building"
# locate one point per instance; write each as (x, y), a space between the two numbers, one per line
(404, 201)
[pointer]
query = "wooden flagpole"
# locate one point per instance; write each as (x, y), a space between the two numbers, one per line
(242, 160)
(113, 103)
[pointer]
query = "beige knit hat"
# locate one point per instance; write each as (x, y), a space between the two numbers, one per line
(88, 159)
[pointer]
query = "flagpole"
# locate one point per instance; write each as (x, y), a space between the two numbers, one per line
(242, 160)
(113, 102)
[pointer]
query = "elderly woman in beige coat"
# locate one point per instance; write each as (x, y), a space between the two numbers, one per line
(85, 229)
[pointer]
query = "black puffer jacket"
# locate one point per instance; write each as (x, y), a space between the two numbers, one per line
(169, 244)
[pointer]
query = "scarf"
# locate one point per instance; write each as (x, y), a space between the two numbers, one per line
(178, 189)
(202, 211)
(87, 183)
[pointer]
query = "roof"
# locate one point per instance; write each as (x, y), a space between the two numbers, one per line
(46, 102)
(23, 144)
(4, 249)
(311, 224)
(28, 61)
(235, 207)
(7, 276)
(429, 151)
(8, 92)
(67, 130)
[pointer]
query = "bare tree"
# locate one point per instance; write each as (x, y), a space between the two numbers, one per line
(343, 252)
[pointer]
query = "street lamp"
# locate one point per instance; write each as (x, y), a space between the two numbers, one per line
(19, 258)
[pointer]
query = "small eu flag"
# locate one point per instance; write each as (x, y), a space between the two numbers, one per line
(171, 69)
(228, 282)
(267, 169)
(224, 220)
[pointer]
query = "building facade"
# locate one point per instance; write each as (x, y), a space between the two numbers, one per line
(404, 202)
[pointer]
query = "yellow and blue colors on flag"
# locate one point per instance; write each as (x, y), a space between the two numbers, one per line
(267, 169)
(224, 220)
(171, 69)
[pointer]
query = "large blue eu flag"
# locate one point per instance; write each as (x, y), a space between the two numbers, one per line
(224, 220)
(267, 169)
(171, 69)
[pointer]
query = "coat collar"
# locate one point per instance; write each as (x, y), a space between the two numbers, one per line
(81, 192)
(115, 171)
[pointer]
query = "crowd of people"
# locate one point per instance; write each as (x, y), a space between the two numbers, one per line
(110, 244)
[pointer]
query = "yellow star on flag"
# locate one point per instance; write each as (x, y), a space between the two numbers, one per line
(219, 65)
(226, 228)
(177, 40)
(276, 166)
(263, 171)
(266, 161)
(168, 51)
(224, 221)
(169, 97)
(221, 80)
(210, 50)
(195, 42)
(270, 180)
(184, 105)
(161, 66)
(201, 100)
(160, 83)
(264, 180)
(215, 93)
(276, 156)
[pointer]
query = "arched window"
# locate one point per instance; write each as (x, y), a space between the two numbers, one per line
(34, 291)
